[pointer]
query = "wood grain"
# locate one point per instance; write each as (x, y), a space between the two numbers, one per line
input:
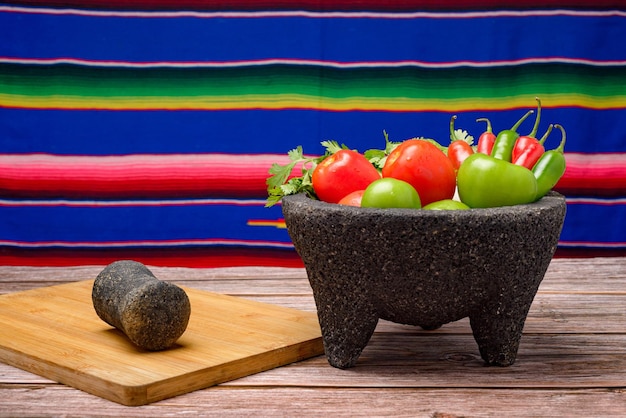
(332, 402)
(54, 331)
(571, 362)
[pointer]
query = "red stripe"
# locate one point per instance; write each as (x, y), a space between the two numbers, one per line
(322, 5)
(599, 175)
(222, 176)
(135, 176)
(202, 257)
(187, 257)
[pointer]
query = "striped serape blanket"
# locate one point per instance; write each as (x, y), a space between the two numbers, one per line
(144, 129)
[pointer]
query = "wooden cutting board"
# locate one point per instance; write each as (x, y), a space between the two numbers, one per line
(54, 332)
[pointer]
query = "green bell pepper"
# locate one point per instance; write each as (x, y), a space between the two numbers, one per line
(484, 182)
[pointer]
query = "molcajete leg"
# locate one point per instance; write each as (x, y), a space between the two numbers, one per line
(497, 328)
(347, 320)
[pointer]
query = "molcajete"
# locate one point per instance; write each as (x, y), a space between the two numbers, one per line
(424, 268)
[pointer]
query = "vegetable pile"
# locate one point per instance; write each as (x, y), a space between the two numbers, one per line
(501, 170)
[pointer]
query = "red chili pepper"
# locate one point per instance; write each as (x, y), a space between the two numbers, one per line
(528, 149)
(487, 139)
(459, 148)
(531, 150)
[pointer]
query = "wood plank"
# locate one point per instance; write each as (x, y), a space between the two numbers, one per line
(227, 281)
(453, 361)
(580, 275)
(335, 402)
(594, 275)
(587, 313)
(234, 287)
(10, 375)
(549, 313)
(79, 273)
(55, 332)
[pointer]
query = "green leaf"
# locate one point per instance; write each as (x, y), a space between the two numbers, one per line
(296, 153)
(279, 184)
(274, 196)
(279, 174)
(332, 146)
(462, 135)
(377, 156)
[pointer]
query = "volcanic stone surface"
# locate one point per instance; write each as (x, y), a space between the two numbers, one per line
(152, 313)
(424, 268)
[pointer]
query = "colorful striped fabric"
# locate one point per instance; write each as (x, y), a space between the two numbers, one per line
(144, 129)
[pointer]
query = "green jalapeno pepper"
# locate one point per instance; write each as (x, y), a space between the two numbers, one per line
(484, 181)
(505, 141)
(550, 167)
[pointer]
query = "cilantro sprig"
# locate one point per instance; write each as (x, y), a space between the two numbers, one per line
(378, 156)
(279, 184)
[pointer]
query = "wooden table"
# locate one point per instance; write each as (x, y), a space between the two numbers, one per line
(571, 362)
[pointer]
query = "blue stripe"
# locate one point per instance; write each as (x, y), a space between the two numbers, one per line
(595, 223)
(187, 222)
(336, 39)
(261, 131)
(137, 223)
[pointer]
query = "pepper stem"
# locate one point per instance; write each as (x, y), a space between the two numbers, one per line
(488, 124)
(545, 136)
(536, 125)
(452, 135)
(522, 119)
(561, 146)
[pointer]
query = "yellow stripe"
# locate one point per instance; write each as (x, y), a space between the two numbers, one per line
(277, 224)
(399, 104)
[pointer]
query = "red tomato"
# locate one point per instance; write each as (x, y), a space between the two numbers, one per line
(342, 173)
(352, 199)
(423, 166)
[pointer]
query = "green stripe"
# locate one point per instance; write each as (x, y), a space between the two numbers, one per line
(597, 83)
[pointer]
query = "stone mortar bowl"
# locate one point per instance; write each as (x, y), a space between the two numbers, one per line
(424, 268)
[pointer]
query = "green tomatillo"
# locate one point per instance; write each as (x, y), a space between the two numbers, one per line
(390, 193)
(484, 182)
(446, 204)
